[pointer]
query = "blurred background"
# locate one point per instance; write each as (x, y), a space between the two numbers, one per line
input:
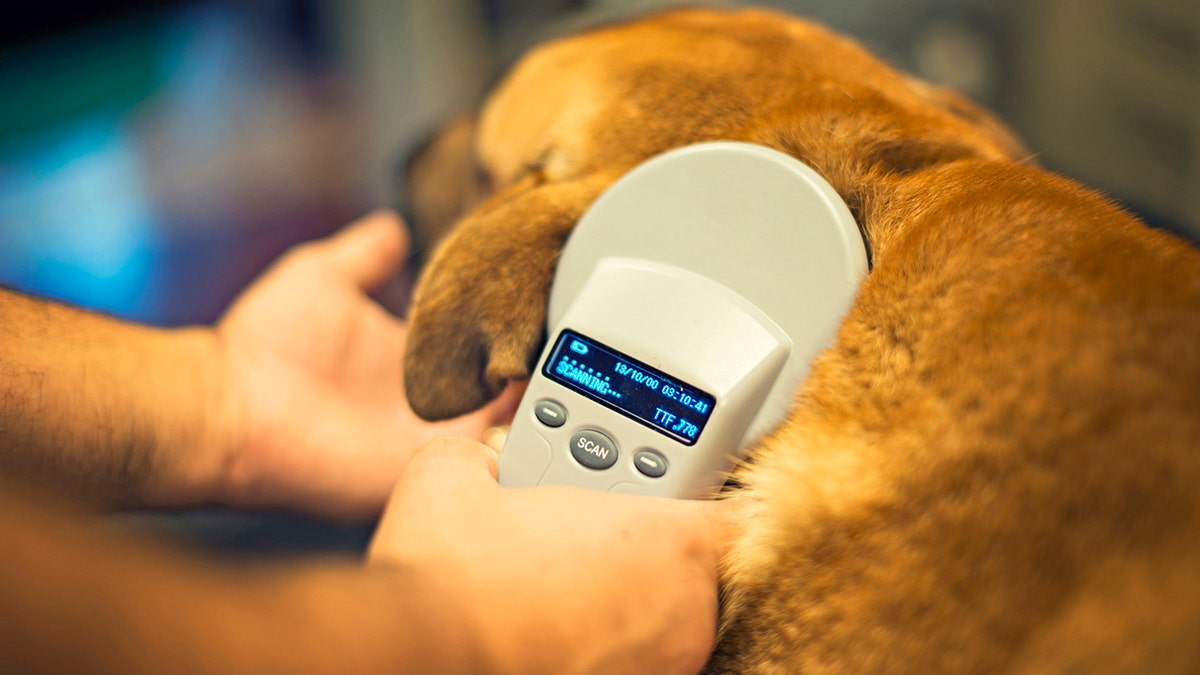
(155, 155)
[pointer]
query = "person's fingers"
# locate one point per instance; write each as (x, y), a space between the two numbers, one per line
(725, 518)
(453, 460)
(370, 250)
(443, 471)
(494, 437)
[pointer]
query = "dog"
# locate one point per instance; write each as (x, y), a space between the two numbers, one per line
(994, 468)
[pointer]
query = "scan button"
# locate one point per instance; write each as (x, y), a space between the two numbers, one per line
(593, 449)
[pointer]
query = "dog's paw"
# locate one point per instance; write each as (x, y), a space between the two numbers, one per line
(441, 182)
(478, 314)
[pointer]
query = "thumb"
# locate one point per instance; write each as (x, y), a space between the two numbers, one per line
(444, 471)
(369, 250)
(450, 462)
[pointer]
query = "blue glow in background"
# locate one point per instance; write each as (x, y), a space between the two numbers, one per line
(152, 163)
(78, 224)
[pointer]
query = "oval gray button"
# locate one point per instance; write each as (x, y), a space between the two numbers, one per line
(650, 462)
(593, 449)
(550, 413)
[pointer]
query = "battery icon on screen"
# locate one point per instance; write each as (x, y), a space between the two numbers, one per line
(579, 347)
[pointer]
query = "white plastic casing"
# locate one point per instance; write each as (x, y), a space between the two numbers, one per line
(727, 266)
(677, 322)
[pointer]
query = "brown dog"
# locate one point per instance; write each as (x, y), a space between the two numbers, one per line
(995, 468)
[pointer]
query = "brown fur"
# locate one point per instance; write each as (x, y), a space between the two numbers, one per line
(995, 466)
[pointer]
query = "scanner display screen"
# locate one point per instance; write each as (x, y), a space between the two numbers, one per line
(630, 387)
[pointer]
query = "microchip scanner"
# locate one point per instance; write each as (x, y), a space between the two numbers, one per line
(685, 311)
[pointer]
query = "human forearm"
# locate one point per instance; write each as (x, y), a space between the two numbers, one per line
(466, 577)
(80, 600)
(105, 410)
(294, 399)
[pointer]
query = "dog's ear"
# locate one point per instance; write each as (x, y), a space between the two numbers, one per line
(478, 313)
(441, 182)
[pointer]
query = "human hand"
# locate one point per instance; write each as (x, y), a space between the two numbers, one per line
(556, 579)
(315, 414)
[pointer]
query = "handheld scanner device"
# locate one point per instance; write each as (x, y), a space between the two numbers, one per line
(685, 310)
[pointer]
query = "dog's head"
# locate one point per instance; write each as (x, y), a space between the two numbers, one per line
(508, 185)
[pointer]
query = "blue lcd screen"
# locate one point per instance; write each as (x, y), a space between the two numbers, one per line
(630, 387)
